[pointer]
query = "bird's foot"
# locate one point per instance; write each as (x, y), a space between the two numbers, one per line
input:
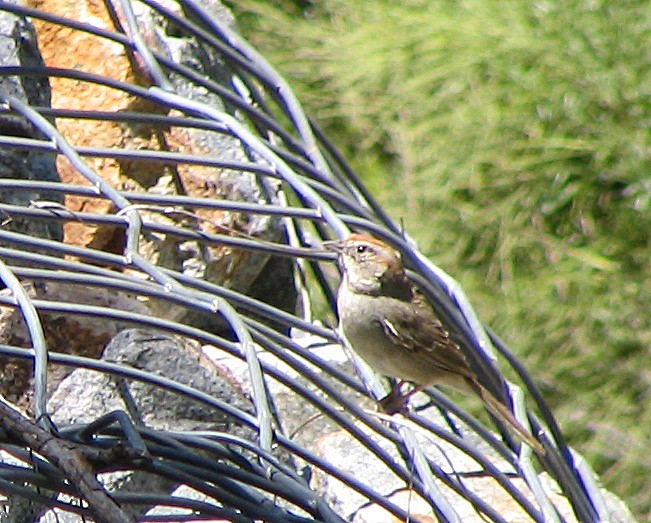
(396, 402)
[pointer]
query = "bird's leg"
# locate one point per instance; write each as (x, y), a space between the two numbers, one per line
(396, 401)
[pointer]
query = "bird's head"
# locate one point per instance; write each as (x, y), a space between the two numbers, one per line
(368, 264)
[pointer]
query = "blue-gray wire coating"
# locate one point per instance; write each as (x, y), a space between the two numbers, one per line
(328, 200)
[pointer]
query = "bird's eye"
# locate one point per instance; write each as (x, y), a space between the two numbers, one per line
(361, 249)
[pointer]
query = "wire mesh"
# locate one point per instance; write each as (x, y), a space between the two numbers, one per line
(252, 467)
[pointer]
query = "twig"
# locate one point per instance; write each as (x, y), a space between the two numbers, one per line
(69, 458)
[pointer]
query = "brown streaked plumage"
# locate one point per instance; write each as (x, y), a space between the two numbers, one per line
(393, 328)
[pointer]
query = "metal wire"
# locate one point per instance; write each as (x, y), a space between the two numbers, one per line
(241, 478)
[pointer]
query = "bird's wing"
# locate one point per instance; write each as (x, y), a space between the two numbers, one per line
(420, 330)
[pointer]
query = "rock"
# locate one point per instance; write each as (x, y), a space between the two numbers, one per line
(86, 395)
(80, 335)
(18, 48)
(244, 271)
(228, 266)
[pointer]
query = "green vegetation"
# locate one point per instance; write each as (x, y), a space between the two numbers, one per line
(519, 134)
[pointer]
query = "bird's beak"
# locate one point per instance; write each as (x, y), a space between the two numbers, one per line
(334, 246)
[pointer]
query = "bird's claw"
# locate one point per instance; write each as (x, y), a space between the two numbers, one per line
(395, 402)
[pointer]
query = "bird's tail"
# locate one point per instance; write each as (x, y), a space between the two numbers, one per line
(504, 415)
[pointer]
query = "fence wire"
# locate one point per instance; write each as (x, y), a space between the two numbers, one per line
(260, 470)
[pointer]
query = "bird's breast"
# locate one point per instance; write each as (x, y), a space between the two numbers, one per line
(361, 322)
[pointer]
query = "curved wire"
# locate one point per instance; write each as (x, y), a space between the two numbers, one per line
(243, 480)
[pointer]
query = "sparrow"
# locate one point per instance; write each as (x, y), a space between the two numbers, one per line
(388, 322)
